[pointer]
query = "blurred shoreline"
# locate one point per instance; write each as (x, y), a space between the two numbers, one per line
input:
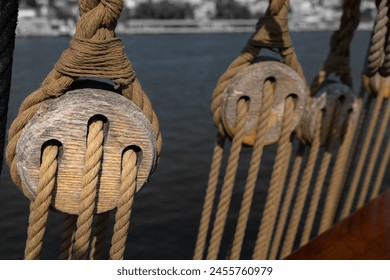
(55, 27)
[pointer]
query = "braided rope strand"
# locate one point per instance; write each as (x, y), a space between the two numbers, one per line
(97, 244)
(67, 237)
(39, 208)
(335, 186)
(347, 208)
(228, 184)
(254, 166)
(375, 52)
(286, 205)
(382, 170)
(209, 198)
(93, 158)
(278, 178)
(125, 204)
(373, 157)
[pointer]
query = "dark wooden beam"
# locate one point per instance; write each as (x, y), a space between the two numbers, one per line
(365, 235)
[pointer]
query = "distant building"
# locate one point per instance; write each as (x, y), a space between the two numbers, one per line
(27, 13)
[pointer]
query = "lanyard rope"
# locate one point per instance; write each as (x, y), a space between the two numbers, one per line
(95, 51)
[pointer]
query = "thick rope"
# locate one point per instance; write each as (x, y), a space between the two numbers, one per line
(315, 198)
(372, 161)
(287, 201)
(254, 166)
(94, 51)
(125, 204)
(322, 172)
(303, 190)
(335, 186)
(362, 110)
(8, 19)
(67, 237)
(375, 53)
(93, 157)
(39, 208)
(228, 183)
(338, 58)
(273, 33)
(382, 170)
(289, 150)
(278, 178)
(97, 244)
(347, 208)
(209, 198)
(385, 69)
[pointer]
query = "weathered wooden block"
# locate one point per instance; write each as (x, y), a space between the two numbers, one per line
(248, 84)
(327, 99)
(65, 119)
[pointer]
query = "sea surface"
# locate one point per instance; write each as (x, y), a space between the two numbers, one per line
(179, 73)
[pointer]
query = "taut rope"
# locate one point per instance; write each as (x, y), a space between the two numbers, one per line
(254, 168)
(374, 121)
(94, 151)
(39, 208)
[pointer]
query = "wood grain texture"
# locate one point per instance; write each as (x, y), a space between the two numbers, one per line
(362, 236)
(326, 100)
(248, 83)
(65, 119)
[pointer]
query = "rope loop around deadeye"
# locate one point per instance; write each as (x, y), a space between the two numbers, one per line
(94, 51)
(271, 32)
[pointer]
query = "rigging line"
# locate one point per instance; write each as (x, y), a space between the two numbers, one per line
(99, 237)
(347, 208)
(39, 208)
(125, 205)
(228, 184)
(67, 237)
(8, 20)
(303, 190)
(94, 152)
(209, 197)
(254, 166)
(287, 201)
(373, 157)
(335, 186)
(278, 177)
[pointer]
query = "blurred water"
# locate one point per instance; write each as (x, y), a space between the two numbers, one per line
(179, 73)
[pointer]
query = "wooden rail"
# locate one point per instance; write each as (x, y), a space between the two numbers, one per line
(365, 235)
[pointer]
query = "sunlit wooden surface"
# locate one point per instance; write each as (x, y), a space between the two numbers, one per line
(363, 235)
